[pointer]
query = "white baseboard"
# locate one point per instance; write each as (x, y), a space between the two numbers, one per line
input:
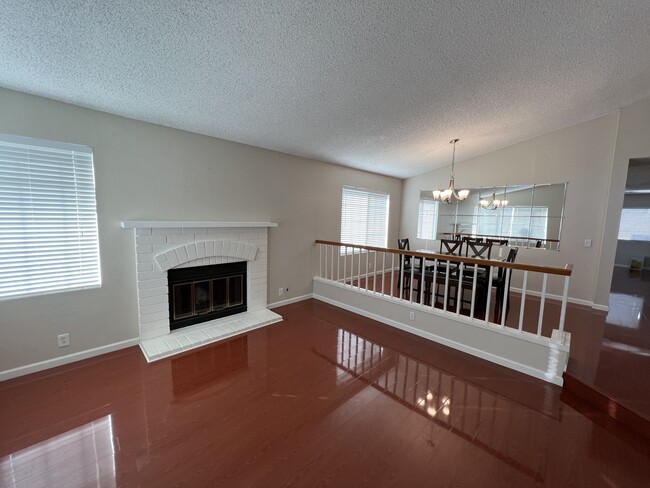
(70, 358)
(288, 301)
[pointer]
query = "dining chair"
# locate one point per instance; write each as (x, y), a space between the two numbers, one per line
(476, 250)
(499, 283)
(405, 274)
(448, 247)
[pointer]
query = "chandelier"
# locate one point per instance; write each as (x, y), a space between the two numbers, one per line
(495, 202)
(450, 195)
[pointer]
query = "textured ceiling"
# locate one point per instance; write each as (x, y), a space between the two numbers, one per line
(377, 85)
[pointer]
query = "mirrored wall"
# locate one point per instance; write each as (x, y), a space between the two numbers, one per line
(531, 218)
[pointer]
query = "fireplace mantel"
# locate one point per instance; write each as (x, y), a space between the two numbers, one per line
(179, 224)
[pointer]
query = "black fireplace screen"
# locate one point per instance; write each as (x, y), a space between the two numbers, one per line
(205, 293)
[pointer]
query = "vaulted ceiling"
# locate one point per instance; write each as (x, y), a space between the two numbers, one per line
(376, 85)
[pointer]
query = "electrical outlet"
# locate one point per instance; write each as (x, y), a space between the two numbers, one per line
(280, 291)
(587, 242)
(412, 315)
(63, 340)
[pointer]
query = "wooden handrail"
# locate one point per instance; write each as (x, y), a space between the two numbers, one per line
(566, 271)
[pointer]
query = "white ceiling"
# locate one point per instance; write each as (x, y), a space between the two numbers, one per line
(377, 85)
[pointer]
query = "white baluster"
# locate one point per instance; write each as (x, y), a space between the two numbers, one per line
(401, 277)
(392, 273)
(444, 305)
(359, 277)
(489, 294)
(411, 281)
(434, 285)
(367, 268)
(326, 252)
(374, 276)
(471, 311)
(523, 302)
(541, 305)
(565, 297)
(383, 271)
(506, 288)
(459, 287)
(338, 265)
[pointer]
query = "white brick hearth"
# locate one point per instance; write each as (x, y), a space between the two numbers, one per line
(160, 246)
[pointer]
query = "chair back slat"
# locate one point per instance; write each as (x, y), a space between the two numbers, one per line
(478, 250)
(451, 247)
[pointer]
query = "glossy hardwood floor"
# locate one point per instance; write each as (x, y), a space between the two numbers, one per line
(609, 361)
(610, 351)
(324, 398)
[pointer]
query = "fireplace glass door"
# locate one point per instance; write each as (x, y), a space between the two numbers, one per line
(206, 292)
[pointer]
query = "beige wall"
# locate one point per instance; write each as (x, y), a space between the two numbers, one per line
(581, 155)
(149, 172)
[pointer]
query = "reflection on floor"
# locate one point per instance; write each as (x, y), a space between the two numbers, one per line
(324, 398)
(611, 351)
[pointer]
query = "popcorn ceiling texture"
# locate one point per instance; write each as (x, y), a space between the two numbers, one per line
(376, 85)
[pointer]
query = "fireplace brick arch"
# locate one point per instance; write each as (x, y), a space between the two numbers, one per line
(205, 249)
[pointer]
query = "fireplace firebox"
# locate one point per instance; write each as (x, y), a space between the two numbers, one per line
(205, 293)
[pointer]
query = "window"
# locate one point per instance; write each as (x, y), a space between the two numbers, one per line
(427, 219)
(635, 224)
(48, 218)
(364, 217)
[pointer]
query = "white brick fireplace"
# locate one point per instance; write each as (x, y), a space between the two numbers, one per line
(162, 245)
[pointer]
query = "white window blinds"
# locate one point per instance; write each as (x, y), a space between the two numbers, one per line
(364, 217)
(635, 224)
(48, 218)
(427, 219)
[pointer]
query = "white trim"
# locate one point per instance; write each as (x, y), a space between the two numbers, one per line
(179, 224)
(70, 358)
(289, 301)
(597, 306)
